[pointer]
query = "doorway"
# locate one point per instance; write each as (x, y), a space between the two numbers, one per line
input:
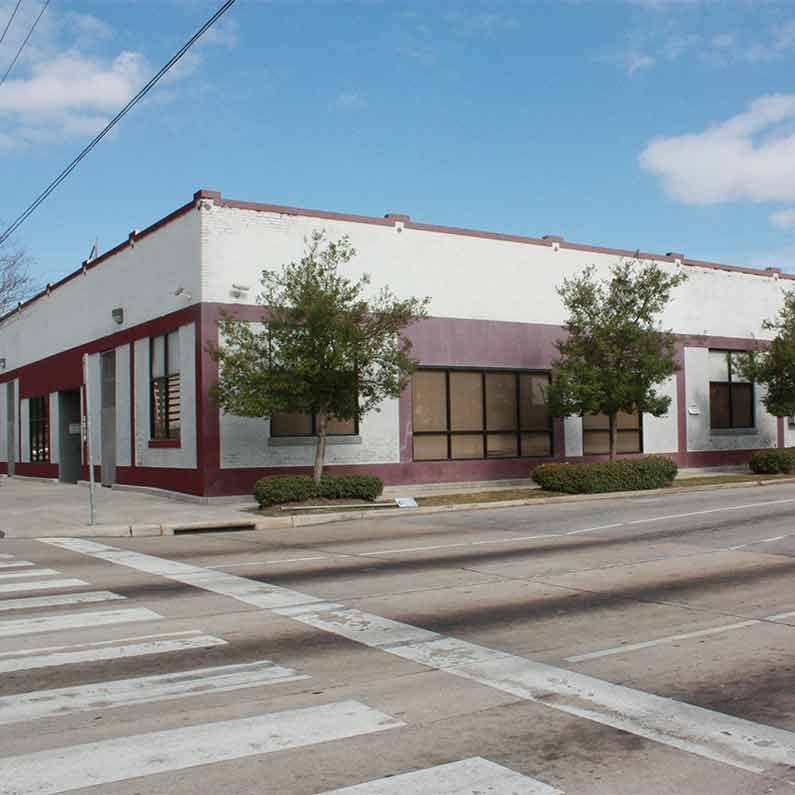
(108, 421)
(70, 436)
(11, 421)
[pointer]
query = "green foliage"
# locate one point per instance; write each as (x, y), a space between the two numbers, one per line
(351, 487)
(280, 489)
(773, 462)
(327, 346)
(774, 367)
(630, 474)
(614, 354)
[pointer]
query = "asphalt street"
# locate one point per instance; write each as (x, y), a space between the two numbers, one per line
(642, 645)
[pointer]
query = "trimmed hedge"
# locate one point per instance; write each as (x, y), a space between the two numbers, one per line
(279, 489)
(629, 474)
(773, 462)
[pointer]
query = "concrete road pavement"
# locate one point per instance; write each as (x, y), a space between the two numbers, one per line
(643, 645)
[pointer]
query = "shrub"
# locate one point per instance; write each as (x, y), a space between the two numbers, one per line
(773, 462)
(279, 489)
(630, 474)
(351, 487)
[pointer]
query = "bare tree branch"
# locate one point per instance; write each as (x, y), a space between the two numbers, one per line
(16, 283)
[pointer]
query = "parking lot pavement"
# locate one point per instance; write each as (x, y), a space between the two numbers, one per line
(632, 646)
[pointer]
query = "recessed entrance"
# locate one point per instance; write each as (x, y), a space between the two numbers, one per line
(70, 436)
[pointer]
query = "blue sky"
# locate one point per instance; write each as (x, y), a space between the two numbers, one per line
(665, 125)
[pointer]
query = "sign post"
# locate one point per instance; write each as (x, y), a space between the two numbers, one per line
(87, 406)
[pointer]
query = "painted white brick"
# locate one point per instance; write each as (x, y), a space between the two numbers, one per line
(699, 435)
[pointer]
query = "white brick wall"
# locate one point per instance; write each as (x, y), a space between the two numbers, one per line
(142, 280)
(468, 277)
(699, 435)
(246, 442)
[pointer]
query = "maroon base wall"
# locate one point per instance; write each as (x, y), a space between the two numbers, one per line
(188, 481)
(37, 470)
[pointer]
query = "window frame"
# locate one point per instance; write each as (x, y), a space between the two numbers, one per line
(313, 428)
(619, 431)
(484, 432)
(39, 429)
(167, 440)
(731, 428)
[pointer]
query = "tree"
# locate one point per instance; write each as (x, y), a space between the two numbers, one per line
(15, 281)
(774, 365)
(615, 354)
(323, 348)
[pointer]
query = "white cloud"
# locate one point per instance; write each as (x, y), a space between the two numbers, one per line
(350, 100)
(637, 62)
(67, 85)
(72, 82)
(783, 219)
(88, 28)
(749, 156)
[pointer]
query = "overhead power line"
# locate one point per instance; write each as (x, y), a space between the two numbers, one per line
(10, 20)
(114, 121)
(24, 43)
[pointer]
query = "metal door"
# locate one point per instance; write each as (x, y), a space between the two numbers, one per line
(70, 435)
(108, 430)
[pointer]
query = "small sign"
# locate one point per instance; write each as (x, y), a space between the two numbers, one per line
(405, 502)
(75, 428)
(692, 409)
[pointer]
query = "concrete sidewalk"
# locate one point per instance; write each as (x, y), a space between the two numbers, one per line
(30, 508)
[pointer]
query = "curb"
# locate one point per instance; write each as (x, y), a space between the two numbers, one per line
(135, 530)
(286, 522)
(307, 520)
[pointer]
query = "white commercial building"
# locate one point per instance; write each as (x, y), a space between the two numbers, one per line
(145, 312)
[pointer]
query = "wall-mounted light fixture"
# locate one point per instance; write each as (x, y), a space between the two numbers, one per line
(2, 364)
(181, 291)
(239, 290)
(118, 315)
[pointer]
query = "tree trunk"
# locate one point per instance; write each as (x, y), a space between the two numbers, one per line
(320, 450)
(613, 435)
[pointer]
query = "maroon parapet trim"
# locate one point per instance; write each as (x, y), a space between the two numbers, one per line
(389, 220)
(3, 467)
(87, 266)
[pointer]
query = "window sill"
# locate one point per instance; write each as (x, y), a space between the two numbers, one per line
(165, 443)
(310, 441)
(733, 431)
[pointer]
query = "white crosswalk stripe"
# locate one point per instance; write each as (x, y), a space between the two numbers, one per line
(142, 690)
(51, 656)
(30, 626)
(743, 744)
(34, 573)
(475, 776)
(40, 585)
(53, 771)
(18, 564)
(82, 597)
